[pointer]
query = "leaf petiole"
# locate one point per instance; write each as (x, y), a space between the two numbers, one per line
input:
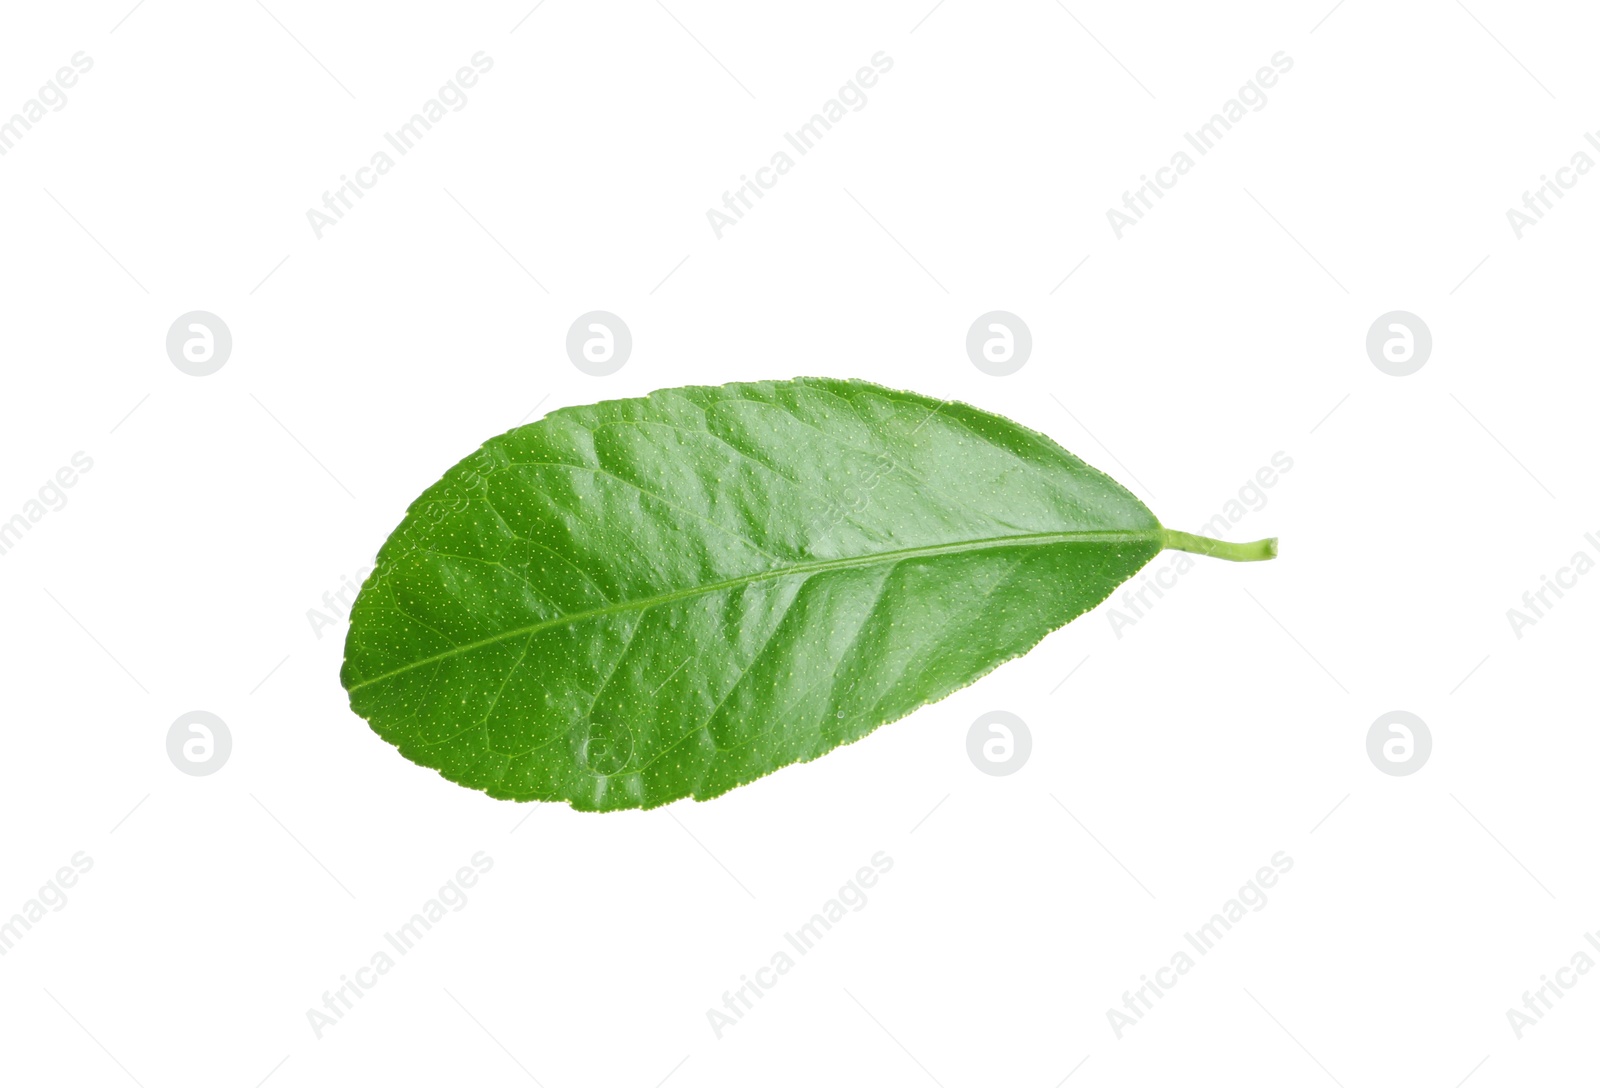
(1252, 552)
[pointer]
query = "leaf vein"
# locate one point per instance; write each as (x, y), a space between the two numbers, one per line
(1080, 536)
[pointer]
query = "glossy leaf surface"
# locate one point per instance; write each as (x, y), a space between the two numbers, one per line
(636, 601)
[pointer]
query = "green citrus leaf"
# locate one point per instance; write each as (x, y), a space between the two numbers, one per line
(636, 601)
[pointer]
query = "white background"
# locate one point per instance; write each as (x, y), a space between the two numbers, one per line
(1227, 724)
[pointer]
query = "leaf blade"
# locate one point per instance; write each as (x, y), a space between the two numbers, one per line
(693, 516)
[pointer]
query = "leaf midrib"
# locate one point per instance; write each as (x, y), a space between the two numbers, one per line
(1106, 536)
